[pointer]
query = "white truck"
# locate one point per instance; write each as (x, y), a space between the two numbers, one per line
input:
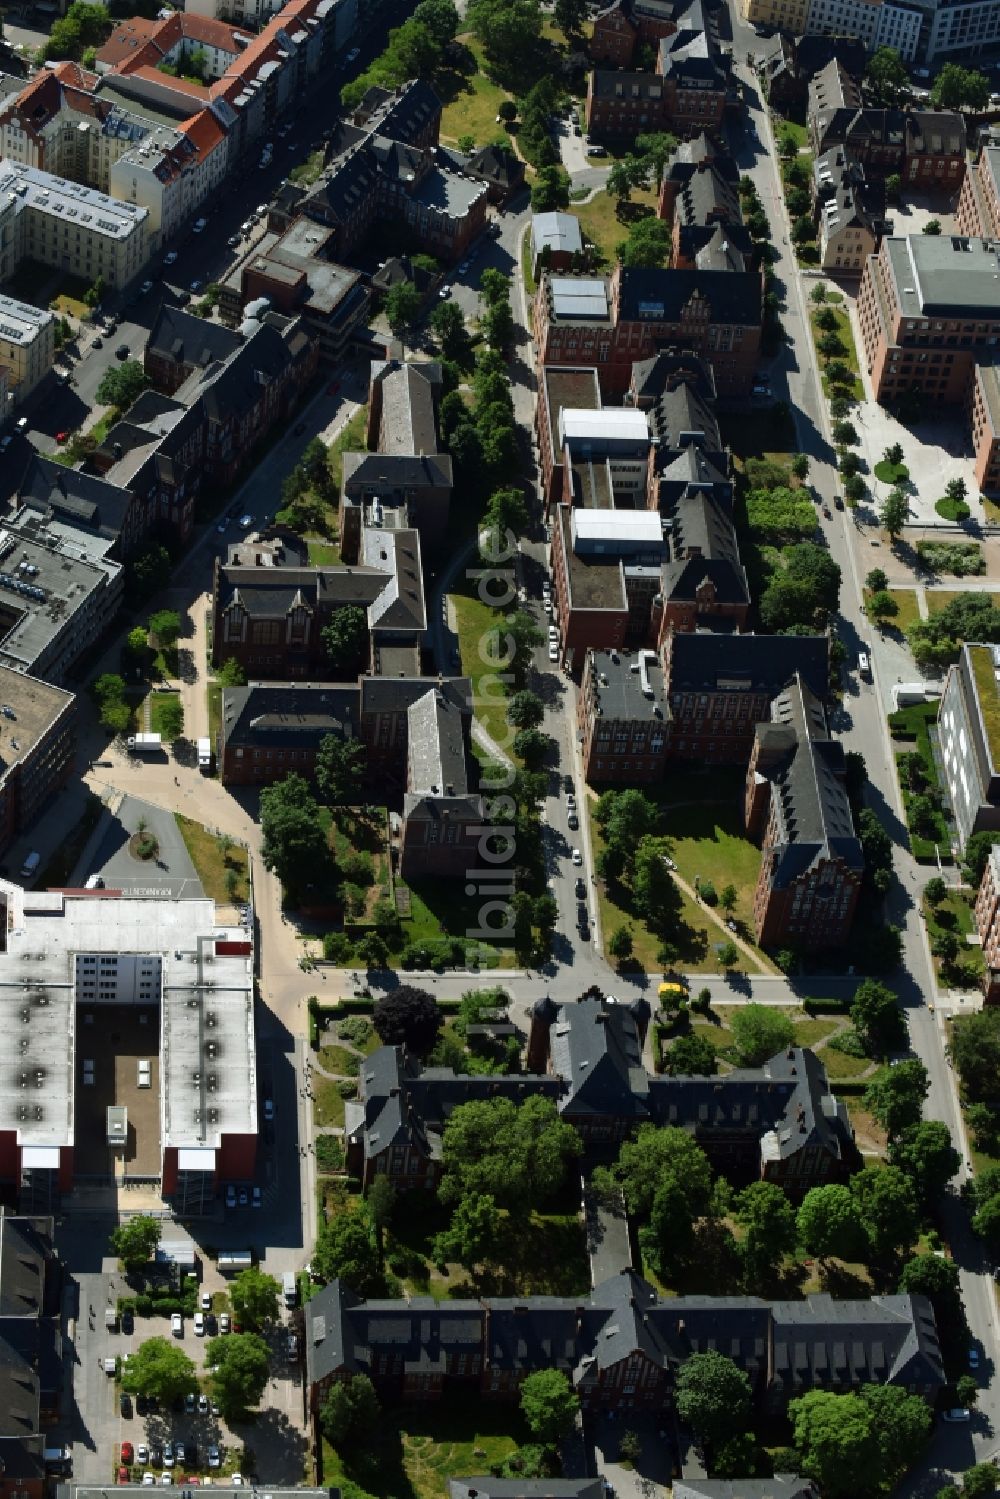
(204, 755)
(289, 1289)
(144, 744)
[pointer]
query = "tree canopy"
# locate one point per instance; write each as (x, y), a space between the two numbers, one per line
(255, 1296)
(345, 640)
(549, 1404)
(975, 1051)
(760, 1032)
(134, 1240)
(713, 1397)
(887, 76)
(926, 1154)
(122, 384)
(836, 1441)
(956, 87)
(896, 1094)
(239, 1367)
(345, 1250)
(516, 1154)
(888, 1211)
(350, 1412)
(829, 1224)
(408, 1017)
(340, 769)
(936, 641)
(767, 1218)
(293, 842)
(877, 1018)
(159, 1367)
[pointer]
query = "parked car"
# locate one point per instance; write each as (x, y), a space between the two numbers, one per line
(177, 1324)
(553, 651)
(148, 1480)
(244, 1197)
(973, 1358)
(256, 1200)
(169, 1455)
(214, 1457)
(156, 1455)
(170, 258)
(122, 351)
(128, 1455)
(576, 856)
(353, 55)
(125, 1404)
(957, 1415)
(189, 1402)
(196, 287)
(199, 1324)
(230, 1190)
(147, 286)
(581, 890)
(572, 822)
(269, 1108)
(199, 225)
(224, 1322)
(202, 1404)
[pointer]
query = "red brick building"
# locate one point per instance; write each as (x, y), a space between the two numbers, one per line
(929, 311)
(610, 323)
(812, 864)
(607, 568)
(984, 421)
(978, 210)
(625, 25)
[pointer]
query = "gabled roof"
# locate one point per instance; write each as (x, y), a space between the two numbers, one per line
(662, 296)
(498, 164)
(596, 1050)
(188, 340)
(781, 1486)
(294, 717)
(702, 661)
(79, 499)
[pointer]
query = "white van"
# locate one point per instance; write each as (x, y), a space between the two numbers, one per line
(289, 1289)
(144, 1079)
(864, 667)
(204, 754)
(30, 866)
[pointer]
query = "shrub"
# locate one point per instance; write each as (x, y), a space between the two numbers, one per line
(356, 1030)
(850, 1043)
(337, 947)
(347, 1087)
(329, 1153)
(707, 892)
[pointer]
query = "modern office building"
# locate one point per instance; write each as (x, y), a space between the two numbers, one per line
(969, 740)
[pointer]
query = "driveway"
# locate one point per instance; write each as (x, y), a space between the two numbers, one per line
(170, 873)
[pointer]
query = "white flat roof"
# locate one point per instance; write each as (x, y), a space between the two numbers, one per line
(623, 422)
(205, 1011)
(616, 526)
(578, 297)
(70, 203)
(20, 323)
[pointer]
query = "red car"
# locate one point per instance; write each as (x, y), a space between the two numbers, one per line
(62, 437)
(128, 1456)
(123, 1476)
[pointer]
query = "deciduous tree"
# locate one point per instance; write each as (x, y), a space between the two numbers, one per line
(896, 1094)
(828, 1223)
(712, 1396)
(408, 1017)
(134, 1240)
(760, 1032)
(159, 1367)
(239, 1367)
(255, 1297)
(549, 1404)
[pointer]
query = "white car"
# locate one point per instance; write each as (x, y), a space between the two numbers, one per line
(237, 1480)
(199, 1324)
(22, 424)
(224, 1322)
(205, 1301)
(576, 856)
(142, 1453)
(214, 1457)
(177, 1324)
(165, 1480)
(202, 1404)
(553, 651)
(261, 210)
(148, 1480)
(170, 257)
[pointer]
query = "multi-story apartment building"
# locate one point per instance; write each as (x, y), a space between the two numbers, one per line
(785, 15)
(978, 211)
(560, 388)
(984, 422)
(952, 29)
(928, 311)
(404, 468)
(699, 198)
(27, 347)
(876, 23)
(37, 749)
(849, 213)
(925, 147)
(788, 64)
(31, 1337)
(382, 165)
(624, 26)
(607, 572)
(969, 740)
(698, 700)
(987, 913)
(623, 718)
(60, 587)
(812, 864)
(610, 323)
(62, 224)
(60, 123)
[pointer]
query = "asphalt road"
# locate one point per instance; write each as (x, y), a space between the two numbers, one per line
(862, 727)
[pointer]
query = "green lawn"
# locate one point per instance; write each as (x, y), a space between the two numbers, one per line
(850, 354)
(840, 1067)
(909, 609)
(940, 598)
(213, 864)
(798, 133)
(599, 221)
(420, 1448)
(158, 703)
(707, 843)
(339, 1061)
(696, 937)
(471, 101)
(308, 171)
(328, 1106)
(478, 625)
(891, 473)
(323, 553)
(440, 908)
(351, 439)
(955, 914)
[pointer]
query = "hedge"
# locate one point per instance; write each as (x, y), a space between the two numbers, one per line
(827, 1006)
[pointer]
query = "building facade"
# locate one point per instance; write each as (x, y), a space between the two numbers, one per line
(969, 741)
(796, 798)
(27, 347)
(62, 224)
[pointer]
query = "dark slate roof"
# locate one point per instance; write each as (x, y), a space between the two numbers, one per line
(886, 1340)
(265, 592)
(667, 369)
(806, 770)
(23, 1256)
(681, 417)
(400, 268)
(398, 694)
(78, 499)
(230, 390)
(702, 539)
(709, 192)
(702, 661)
(781, 1486)
(410, 112)
(178, 335)
(660, 296)
(935, 133)
(488, 1487)
(596, 1049)
(812, 53)
(397, 471)
(498, 164)
(289, 716)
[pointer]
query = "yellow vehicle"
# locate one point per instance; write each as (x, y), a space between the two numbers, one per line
(670, 993)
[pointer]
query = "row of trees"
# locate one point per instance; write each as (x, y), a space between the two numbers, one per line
(954, 87)
(413, 50)
(83, 27)
(936, 641)
(483, 442)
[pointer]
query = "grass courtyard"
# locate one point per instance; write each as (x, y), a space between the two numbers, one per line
(422, 1447)
(599, 221)
(477, 625)
(471, 100)
(215, 861)
(847, 354)
(909, 609)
